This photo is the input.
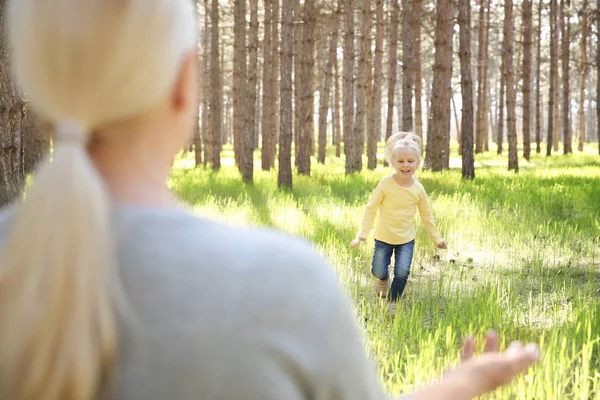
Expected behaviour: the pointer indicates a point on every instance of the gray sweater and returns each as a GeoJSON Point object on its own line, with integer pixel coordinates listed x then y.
{"type": "Point", "coordinates": [229, 313]}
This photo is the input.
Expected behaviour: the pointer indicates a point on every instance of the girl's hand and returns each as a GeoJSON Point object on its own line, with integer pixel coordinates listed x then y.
{"type": "Point", "coordinates": [356, 241]}
{"type": "Point", "coordinates": [442, 245]}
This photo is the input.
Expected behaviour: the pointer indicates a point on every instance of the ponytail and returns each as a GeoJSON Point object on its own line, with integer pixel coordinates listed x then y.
{"type": "Point", "coordinates": [58, 336]}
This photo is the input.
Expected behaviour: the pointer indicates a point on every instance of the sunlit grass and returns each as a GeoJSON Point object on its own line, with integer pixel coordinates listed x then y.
{"type": "Point", "coordinates": [523, 259]}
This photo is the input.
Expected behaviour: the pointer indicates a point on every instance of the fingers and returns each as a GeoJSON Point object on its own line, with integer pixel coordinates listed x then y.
{"type": "Point", "coordinates": [468, 349]}
{"type": "Point", "coordinates": [491, 342]}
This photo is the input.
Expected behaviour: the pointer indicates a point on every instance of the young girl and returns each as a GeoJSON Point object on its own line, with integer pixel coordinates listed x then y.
{"type": "Point", "coordinates": [397, 198]}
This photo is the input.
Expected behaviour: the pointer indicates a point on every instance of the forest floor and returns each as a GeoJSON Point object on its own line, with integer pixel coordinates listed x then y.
{"type": "Point", "coordinates": [523, 259]}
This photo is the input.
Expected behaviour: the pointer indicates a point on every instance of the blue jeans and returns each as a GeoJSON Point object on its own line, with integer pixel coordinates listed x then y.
{"type": "Point", "coordinates": [403, 259]}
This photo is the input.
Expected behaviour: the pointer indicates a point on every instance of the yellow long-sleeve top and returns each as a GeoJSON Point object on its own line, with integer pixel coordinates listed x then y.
{"type": "Point", "coordinates": [393, 208]}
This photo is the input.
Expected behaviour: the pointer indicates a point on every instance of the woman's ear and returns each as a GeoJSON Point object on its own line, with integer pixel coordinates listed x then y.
{"type": "Point", "coordinates": [185, 91]}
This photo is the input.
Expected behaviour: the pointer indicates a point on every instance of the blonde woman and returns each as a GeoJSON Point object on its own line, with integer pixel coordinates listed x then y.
{"type": "Point", "coordinates": [108, 287]}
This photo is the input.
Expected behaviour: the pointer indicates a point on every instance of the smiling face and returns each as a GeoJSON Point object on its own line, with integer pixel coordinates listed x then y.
{"type": "Point", "coordinates": [405, 161]}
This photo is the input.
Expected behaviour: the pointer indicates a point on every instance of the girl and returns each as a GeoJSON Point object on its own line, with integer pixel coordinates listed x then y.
{"type": "Point", "coordinates": [397, 198]}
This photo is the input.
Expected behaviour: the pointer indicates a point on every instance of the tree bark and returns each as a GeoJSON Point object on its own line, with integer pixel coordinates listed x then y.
{"type": "Point", "coordinates": [361, 92]}
{"type": "Point", "coordinates": [416, 29]}
{"type": "Point", "coordinates": [216, 90]}
{"type": "Point", "coordinates": [12, 117]}
{"type": "Point", "coordinates": [267, 156]}
{"type": "Point", "coordinates": [438, 135]}
{"type": "Point", "coordinates": [481, 64]}
{"type": "Point", "coordinates": [325, 95]}
{"type": "Point", "coordinates": [553, 74]}
{"type": "Point", "coordinates": [284, 178]}
{"type": "Point", "coordinates": [486, 91]}
{"type": "Point", "coordinates": [374, 131]}
{"type": "Point", "coordinates": [36, 140]}
{"type": "Point", "coordinates": [297, 78]}
{"type": "Point", "coordinates": [349, 142]}
{"type": "Point", "coordinates": [367, 76]}
{"type": "Point", "coordinates": [500, 133]}
{"type": "Point", "coordinates": [565, 6]}
{"type": "Point", "coordinates": [275, 91]}
{"type": "Point", "coordinates": [511, 95]}
{"type": "Point", "coordinates": [392, 57]}
{"type": "Point", "coordinates": [466, 83]}
{"type": "Point", "coordinates": [407, 65]}
{"type": "Point", "coordinates": [538, 83]}
{"type": "Point", "coordinates": [583, 76]}
{"type": "Point", "coordinates": [306, 88]}
{"type": "Point", "coordinates": [337, 101]}
{"type": "Point", "coordinates": [251, 114]}
{"type": "Point", "coordinates": [527, 41]}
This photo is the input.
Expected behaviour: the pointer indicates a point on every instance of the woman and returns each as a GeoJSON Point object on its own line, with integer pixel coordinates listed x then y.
{"type": "Point", "coordinates": [108, 287]}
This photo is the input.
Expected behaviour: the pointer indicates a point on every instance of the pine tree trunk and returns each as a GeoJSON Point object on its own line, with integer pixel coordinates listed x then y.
{"type": "Point", "coordinates": [392, 57]}
{"type": "Point", "coordinates": [481, 65]}
{"type": "Point", "coordinates": [216, 90]}
{"type": "Point", "coordinates": [361, 92]}
{"type": "Point", "coordinates": [466, 84]}
{"type": "Point", "coordinates": [527, 41]}
{"type": "Point", "coordinates": [12, 165]}
{"type": "Point", "coordinates": [337, 100]}
{"type": "Point", "coordinates": [306, 88]}
{"type": "Point", "coordinates": [297, 78]}
{"type": "Point", "coordinates": [553, 73]}
{"type": "Point", "coordinates": [598, 74]}
{"type": "Point", "coordinates": [349, 142]}
{"type": "Point", "coordinates": [239, 83]}
{"type": "Point", "coordinates": [486, 92]}
{"type": "Point", "coordinates": [416, 29]}
{"type": "Point", "coordinates": [407, 65]}
{"type": "Point", "coordinates": [438, 135]}
{"type": "Point", "coordinates": [583, 76]}
{"type": "Point", "coordinates": [538, 83]}
{"type": "Point", "coordinates": [267, 155]}
{"type": "Point", "coordinates": [511, 95]}
{"type": "Point", "coordinates": [325, 96]}
{"type": "Point", "coordinates": [201, 121]}
{"type": "Point", "coordinates": [374, 130]}
{"type": "Point", "coordinates": [566, 108]}
{"type": "Point", "coordinates": [252, 88]}
{"type": "Point", "coordinates": [367, 76]}
{"type": "Point", "coordinates": [275, 89]}
{"type": "Point", "coordinates": [500, 133]}
{"type": "Point", "coordinates": [36, 140]}
{"type": "Point", "coordinates": [284, 178]}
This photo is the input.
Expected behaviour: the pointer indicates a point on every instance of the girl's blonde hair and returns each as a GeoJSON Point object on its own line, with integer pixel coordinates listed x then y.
{"type": "Point", "coordinates": [83, 64]}
{"type": "Point", "coordinates": [402, 139]}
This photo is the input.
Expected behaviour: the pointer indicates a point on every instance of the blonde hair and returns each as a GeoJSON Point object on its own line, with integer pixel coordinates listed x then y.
{"type": "Point", "coordinates": [83, 64]}
{"type": "Point", "coordinates": [402, 139]}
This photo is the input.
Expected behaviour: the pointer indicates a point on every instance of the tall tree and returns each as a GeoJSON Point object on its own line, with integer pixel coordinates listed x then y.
{"type": "Point", "coordinates": [252, 88]}
{"type": "Point", "coordinates": [583, 72]}
{"type": "Point", "coordinates": [284, 178]}
{"type": "Point", "coordinates": [306, 88]}
{"type": "Point", "coordinates": [565, 6]}
{"type": "Point", "coordinates": [12, 168]}
{"type": "Point", "coordinates": [276, 14]}
{"type": "Point", "coordinates": [362, 84]}
{"type": "Point", "coordinates": [481, 64]}
{"type": "Point", "coordinates": [438, 135]}
{"type": "Point", "coordinates": [553, 75]}
{"type": "Point", "coordinates": [538, 83]}
{"type": "Point", "coordinates": [486, 91]}
{"type": "Point", "coordinates": [337, 125]}
{"type": "Point", "coordinates": [239, 76]}
{"type": "Point", "coordinates": [349, 142]}
{"type": "Point", "coordinates": [297, 77]}
{"type": "Point", "coordinates": [325, 95]}
{"type": "Point", "coordinates": [407, 65]}
{"type": "Point", "coordinates": [501, 106]}
{"type": "Point", "coordinates": [374, 130]}
{"type": "Point", "coordinates": [416, 29]}
{"type": "Point", "coordinates": [527, 41]}
{"type": "Point", "coordinates": [511, 95]}
{"type": "Point", "coordinates": [268, 102]}
{"type": "Point", "coordinates": [392, 57]}
{"type": "Point", "coordinates": [36, 140]}
{"type": "Point", "coordinates": [216, 89]}
{"type": "Point", "coordinates": [367, 74]}
{"type": "Point", "coordinates": [466, 83]}
{"type": "Point", "coordinates": [202, 53]}
{"type": "Point", "coordinates": [598, 73]}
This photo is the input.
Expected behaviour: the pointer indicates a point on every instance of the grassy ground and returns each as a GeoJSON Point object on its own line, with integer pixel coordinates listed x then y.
{"type": "Point", "coordinates": [523, 259]}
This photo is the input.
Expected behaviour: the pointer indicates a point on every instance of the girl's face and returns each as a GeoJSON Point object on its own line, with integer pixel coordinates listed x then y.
{"type": "Point", "coordinates": [405, 161]}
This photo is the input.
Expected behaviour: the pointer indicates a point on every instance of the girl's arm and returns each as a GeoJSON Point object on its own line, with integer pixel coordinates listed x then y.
{"type": "Point", "coordinates": [370, 212]}
{"type": "Point", "coordinates": [427, 218]}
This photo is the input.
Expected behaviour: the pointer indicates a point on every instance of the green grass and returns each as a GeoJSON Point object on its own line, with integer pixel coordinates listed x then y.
{"type": "Point", "coordinates": [523, 258]}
